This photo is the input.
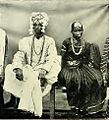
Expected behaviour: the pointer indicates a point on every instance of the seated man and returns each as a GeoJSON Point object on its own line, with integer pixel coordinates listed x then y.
{"type": "Point", "coordinates": [3, 52]}
{"type": "Point", "coordinates": [105, 62]}
{"type": "Point", "coordinates": [105, 69]}
{"type": "Point", "coordinates": [36, 59]}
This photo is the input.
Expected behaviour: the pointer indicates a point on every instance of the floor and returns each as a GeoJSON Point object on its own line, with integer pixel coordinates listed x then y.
{"type": "Point", "coordinates": [62, 109]}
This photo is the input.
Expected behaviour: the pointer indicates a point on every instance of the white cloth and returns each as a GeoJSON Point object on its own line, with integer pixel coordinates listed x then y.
{"type": "Point", "coordinates": [2, 49]}
{"type": "Point", "coordinates": [29, 90]}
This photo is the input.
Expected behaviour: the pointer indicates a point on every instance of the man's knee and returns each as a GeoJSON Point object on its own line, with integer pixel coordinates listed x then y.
{"type": "Point", "coordinates": [1, 89]}
{"type": "Point", "coordinates": [8, 68]}
{"type": "Point", "coordinates": [9, 74]}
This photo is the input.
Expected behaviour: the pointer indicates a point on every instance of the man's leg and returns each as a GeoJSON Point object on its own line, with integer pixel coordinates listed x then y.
{"type": "Point", "coordinates": [11, 85]}
{"type": "Point", "coordinates": [8, 77]}
{"type": "Point", "coordinates": [12, 102]}
{"type": "Point", "coordinates": [37, 98]}
{"type": "Point", "coordinates": [30, 85]}
{"type": "Point", "coordinates": [1, 97]}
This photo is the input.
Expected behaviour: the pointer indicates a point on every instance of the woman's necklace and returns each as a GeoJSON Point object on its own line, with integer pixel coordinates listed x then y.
{"type": "Point", "coordinates": [80, 50]}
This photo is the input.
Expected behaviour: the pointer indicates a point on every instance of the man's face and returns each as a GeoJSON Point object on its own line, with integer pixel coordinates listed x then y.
{"type": "Point", "coordinates": [77, 31]}
{"type": "Point", "coordinates": [37, 27]}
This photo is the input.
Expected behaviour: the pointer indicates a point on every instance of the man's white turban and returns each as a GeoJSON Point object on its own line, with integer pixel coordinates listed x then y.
{"type": "Point", "coordinates": [39, 17]}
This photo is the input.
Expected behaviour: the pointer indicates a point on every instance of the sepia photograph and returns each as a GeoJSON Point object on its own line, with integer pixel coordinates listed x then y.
{"type": "Point", "coordinates": [54, 59]}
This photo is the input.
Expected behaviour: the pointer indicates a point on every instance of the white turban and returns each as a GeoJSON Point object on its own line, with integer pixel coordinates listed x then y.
{"type": "Point", "coordinates": [39, 17]}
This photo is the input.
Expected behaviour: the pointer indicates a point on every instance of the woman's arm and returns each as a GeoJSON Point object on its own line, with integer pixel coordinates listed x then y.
{"type": "Point", "coordinates": [95, 57]}
{"type": "Point", "coordinates": [63, 53]}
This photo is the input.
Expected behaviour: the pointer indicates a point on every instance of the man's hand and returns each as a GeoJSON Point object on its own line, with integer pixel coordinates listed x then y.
{"type": "Point", "coordinates": [42, 73]}
{"type": "Point", "coordinates": [105, 81]}
{"type": "Point", "coordinates": [19, 73]}
{"type": "Point", "coordinates": [1, 78]}
{"type": "Point", "coordinates": [104, 78]}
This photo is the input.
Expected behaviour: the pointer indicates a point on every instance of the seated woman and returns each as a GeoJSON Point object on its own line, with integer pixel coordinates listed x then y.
{"type": "Point", "coordinates": [81, 74]}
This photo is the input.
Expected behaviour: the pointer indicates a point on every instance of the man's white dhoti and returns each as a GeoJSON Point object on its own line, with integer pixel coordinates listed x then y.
{"type": "Point", "coordinates": [29, 90]}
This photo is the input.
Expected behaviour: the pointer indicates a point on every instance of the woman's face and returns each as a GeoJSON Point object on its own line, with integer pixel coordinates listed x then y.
{"type": "Point", "coordinates": [77, 31]}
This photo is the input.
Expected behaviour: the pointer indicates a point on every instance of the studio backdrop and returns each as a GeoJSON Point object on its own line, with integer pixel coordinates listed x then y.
{"type": "Point", "coordinates": [93, 14]}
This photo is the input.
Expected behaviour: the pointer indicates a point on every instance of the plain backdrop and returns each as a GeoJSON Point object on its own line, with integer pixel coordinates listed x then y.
{"type": "Point", "coordinates": [93, 14]}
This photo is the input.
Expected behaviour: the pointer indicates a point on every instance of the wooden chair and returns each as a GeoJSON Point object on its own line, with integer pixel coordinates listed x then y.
{"type": "Point", "coordinates": [52, 102]}
{"type": "Point", "coordinates": [52, 96]}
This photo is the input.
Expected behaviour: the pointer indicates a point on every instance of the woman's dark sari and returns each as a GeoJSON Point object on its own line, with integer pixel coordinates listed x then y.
{"type": "Point", "coordinates": [82, 77]}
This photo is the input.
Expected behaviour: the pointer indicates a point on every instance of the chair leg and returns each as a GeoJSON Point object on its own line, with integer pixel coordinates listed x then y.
{"type": "Point", "coordinates": [52, 102]}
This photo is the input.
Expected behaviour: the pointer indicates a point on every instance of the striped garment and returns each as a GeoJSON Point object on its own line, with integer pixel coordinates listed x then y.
{"type": "Point", "coordinates": [104, 57]}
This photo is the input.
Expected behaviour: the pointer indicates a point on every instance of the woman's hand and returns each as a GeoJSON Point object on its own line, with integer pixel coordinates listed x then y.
{"type": "Point", "coordinates": [73, 63]}
{"type": "Point", "coordinates": [90, 64]}
{"type": "Point", "coordinates": [105, 83]}
{"type": "Point", "coordinates": [19, 73]}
